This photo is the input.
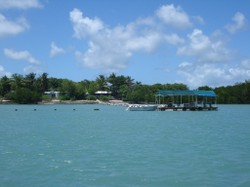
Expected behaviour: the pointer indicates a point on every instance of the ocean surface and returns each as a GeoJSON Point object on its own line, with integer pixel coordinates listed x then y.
{"type": "Point", "coordinates": [75, 145]}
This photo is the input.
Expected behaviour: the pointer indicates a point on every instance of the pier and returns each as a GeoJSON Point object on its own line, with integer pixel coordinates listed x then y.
{"type": "Point", "coordinates": [186, 100]}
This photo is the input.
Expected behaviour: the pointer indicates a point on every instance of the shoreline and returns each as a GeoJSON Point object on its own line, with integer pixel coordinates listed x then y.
{"type": "Point", "coordinates": [55, 101]}
{"type": "Point", "coordinates": [69, 102]}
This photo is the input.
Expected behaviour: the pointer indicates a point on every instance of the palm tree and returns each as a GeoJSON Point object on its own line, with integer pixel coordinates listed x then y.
{"type": "Point", "coordinates": [5, 85]}
{"type": "Point", "coordinates": [130, 82]}
{"type": "Point", "coordinates": [30, 80]}
{"type": "Point", "coordinates": [102, 82]}
{"type": "Point", "coordinates": [43, 82]}
{"type": "Point", "coordinates": [17, 81]}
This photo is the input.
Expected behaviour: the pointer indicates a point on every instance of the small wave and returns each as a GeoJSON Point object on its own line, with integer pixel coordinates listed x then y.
{"type": "Point", "coordinates": [78, 170]}
{"type": "Point", "coordinates": [54, 167]}
{"type": "Point", "coordinates": [67, 161]}
{"type": "Point", "coordinates": [7, 152]}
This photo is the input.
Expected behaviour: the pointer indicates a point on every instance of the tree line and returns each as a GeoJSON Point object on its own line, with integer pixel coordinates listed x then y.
{"type": "Point", "coordinates": [31, 89]}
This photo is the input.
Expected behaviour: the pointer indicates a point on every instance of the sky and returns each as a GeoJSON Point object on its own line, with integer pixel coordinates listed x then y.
{"type": "Point", "coordinates": [193, 42]}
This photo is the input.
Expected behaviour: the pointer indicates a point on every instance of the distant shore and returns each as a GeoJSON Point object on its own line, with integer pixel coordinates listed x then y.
{"type": "Point", "coordinates": [55, 101]}
{"type": "Point", "coordinates": [70, 102]}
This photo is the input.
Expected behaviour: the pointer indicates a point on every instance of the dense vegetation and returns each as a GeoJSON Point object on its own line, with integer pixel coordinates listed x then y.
{"type": "Point", "coordinates": [31, 88]}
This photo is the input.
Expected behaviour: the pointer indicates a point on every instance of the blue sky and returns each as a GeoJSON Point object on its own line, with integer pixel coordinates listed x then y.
{"type": "Point", "coordinates": [154, 41]}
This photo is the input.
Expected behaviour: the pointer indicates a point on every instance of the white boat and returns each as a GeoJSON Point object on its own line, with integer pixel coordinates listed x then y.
{"type": "Point", "coordinates": [137, 107]}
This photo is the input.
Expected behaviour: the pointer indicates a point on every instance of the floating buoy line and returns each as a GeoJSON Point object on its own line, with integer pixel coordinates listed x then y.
{"type": "Point", "coordinates": [55, 109]}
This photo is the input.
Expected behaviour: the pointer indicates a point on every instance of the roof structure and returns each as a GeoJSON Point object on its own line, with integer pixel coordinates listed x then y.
{"type": "Point", "coordinates": [102, 92]}
{"type": "Point", "coordinates": [202, 93]}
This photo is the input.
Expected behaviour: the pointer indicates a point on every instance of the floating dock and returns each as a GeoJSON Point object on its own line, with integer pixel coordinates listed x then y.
{"type": "Point", "coordinates": [186, 100]}
{"type": "Point", "coordinates": [194, 108]}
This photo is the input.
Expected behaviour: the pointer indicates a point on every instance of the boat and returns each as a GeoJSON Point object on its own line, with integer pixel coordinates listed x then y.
{"type": "Point", "coordinates": [138, 107]}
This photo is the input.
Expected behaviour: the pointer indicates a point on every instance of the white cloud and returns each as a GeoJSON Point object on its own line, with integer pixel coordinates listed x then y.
{"type": "Point", "coordinates": [12, 27]}
{"type": "Point", "coordinates": [32, 69]}
{"type": "Point", "coordinates": [3, 72]}
{"type": "Point", "coordinates": [34, 64]}
{"type": "Point", "coordinates": [146, 42]}
{"type": "Point", "coordinates": [110, 48]}
{"type": "Point", "coordinates": [19, 4]}
{"type": "Point", "coordinates": [205, 49]}
{"type": "Point", "coordinates": [197, 43]}
{"type": "Point", "coordinates": [245, 64]}
{"type": "Point", "coordinates": [21, 55]}
{"type": "Point", "coordinates": [241, 71]}
{"type": "Point", "coordinates": [174, 16]}
{"type": "Point", "coordinates": [83, 25]}
{"type": "Point", "coordinates": [200, 75]}
{"type": "Point", "coordinates": [199, 19]}
{"type": "Point", "coordinates": [211, 62]}
{"type": "Point", "coordinates": [55, 50]}
{"type": "Point", "coordinates": [174, 39]}
{"type": "Point", "coordinates": [239, 22]}
{"type": "Point", "coordinates": [213, 74]}
{"type": "Point", "coordinates": [107, 59]}
{"type": "Point", "coordinates": [8, 27]}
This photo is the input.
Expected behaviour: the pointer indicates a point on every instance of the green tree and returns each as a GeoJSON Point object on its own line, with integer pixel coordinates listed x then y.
{"type": "Point", "coordinates": [17, 81]}
{"type": "Point", "coordinates": [102, 82]}
{"type": "Point", "coordinates": [54, 83]}
{"type": "Point", "coordinates": [80, 91]}
{"type": "Point", "coordinates": [5, 85]}
{"type": "Point", "coordinates": [90, 87]}
{"type": "Point", "coordinates": [120, 86]}
{"type": "Point", "coordinates": [205, 88]}
{"type": "Point", "coordinates": [68, 90]}
{"type": "Point", "coordinates": [137, 95]}
{"type": "Point", "coordinates": [43, 82]}
{"type": "Point", "coordinates": [30, 81]}
{"type": "Point", "coordinates": [25, 96]}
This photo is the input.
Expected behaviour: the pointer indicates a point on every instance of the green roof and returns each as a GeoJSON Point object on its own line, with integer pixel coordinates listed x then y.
{"type": "Point", "coordinates": [202, 93]}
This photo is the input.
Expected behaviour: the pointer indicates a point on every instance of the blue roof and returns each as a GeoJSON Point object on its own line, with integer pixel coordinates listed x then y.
{"type": "Point", "coordinates": [202, 93]}
{"type": "Point", "coordinates": [205, 93]}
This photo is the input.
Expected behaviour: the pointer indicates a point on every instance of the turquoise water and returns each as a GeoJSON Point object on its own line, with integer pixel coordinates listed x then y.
{"type": "Point", "coordinates": [74, 145]}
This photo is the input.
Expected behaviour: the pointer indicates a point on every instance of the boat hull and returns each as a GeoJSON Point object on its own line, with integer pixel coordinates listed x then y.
{"type": "Point", "coordinates": [142, 108]}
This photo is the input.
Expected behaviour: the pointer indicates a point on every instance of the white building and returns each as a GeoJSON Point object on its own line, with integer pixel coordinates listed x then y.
{"type": "Point", "coordinates": [53, 94]}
